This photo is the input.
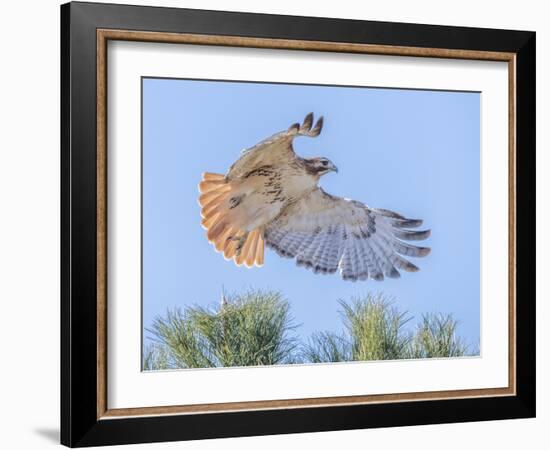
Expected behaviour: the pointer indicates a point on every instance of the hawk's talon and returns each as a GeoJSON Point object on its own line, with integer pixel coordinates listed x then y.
{"type": "Point", "coordinates": [241, 240]}
{"type": "Point", "coordinates": [240, 245]}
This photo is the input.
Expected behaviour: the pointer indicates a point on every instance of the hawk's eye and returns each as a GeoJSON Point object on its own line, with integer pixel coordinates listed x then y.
{"type": "Point", "coordinates": [324, 163]}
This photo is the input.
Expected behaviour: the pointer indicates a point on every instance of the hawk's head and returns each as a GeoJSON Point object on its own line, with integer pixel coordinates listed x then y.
{"type": "Point", "coordinates": [319, 166]}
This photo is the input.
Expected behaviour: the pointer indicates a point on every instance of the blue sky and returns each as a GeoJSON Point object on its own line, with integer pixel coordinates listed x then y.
{"type": "Point", "coordinates": [415, 152]}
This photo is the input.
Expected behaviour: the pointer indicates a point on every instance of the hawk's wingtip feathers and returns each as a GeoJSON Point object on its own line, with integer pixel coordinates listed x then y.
{"type": "Point", "coordinates": [316, 131]}
{"type": "Point", "coordinates": [308, 122]}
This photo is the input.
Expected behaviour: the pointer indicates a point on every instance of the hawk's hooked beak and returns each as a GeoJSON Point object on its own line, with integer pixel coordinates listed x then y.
{"type": "Point", "coordinates": [332, 167]}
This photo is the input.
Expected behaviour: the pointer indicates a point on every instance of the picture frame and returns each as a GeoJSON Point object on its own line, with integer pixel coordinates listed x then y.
{"type": "Point", "coordinates": [86, 30]}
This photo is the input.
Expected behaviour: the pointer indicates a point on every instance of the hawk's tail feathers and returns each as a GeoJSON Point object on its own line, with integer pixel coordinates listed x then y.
{"type": "Point", "coordinates": [221, 232]}
{"type": "Point", "coordinates": [252, 251]}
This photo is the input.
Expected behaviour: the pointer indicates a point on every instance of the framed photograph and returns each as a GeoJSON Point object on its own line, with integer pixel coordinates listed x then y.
{"type": "Point", "coordinates": [277, 224]}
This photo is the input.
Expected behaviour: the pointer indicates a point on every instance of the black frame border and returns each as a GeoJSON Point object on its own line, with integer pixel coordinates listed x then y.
{"type": "Point", "coordinates": [79, 423]}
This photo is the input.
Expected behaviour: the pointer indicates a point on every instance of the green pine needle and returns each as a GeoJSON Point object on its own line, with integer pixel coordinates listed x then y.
{"type": "Point", "coordinates": [250, 329]}
{"type": "Point", "coordinates": [255, 328]}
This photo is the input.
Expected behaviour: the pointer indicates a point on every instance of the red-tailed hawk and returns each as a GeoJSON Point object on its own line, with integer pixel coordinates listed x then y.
{"type": "Point", "coordinates": [271, 195]}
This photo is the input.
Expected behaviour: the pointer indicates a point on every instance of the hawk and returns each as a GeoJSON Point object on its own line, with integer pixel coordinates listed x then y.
{"type": "Point", "coordinates": [271, 196]}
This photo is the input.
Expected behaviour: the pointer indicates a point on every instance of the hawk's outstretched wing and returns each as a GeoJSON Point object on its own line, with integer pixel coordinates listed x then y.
{"type": "Point", "coordinates": [327, 233]}
{"type": "Point", "coordinates": [275, 150]}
